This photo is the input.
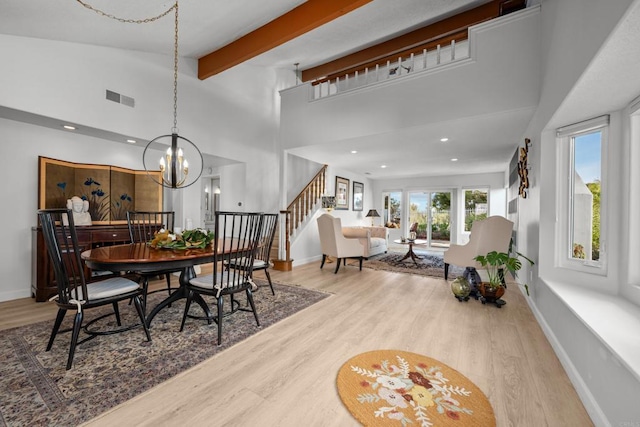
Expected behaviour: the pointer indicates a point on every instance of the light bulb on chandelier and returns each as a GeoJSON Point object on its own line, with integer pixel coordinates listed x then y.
{"type": "Point", "coordinates": [174, 164]}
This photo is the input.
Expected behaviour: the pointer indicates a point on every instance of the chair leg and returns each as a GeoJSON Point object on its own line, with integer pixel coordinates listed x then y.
{"type": "Point", "coordinates": [168, 276]}
{"type": "Point", "coordinates": [324, 258]}
{"type": "Point", "coordinates": [138, 302]}
{"type": "Point", "coordinates": [253, 306]}
{"type": "Point", "coordinates": [56, 326]}
{"type": "Point", "coordinates": [145, 288]}
{"type": "Point", "coordinates": [361, 263]}
{"type": "Point", "coordinates": [446, 271]}
{"type": "Point", "coordinates": [77, 322]}
{"type": "Point", "coordinates": [116, 311]}
{"type": "Point", "coordinates": [186, 309]}
{"type": "Point", "coordinates": [266, 272]}
{"type": "Point", "coordinates": [337, 265]}
{"type": "Point", "coordinates": [220, 307]}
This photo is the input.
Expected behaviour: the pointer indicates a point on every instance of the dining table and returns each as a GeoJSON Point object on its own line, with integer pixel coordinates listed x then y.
{"type": "Point", "coordinates": [143, 258]}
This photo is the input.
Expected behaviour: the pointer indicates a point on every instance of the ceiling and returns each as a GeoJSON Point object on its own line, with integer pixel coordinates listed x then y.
{"type": "Point", "coordinates": [206, 26]}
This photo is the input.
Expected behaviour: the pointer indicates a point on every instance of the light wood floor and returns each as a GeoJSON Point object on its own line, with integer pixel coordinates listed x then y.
{"type": "Point", "coordinates": [285, 375]}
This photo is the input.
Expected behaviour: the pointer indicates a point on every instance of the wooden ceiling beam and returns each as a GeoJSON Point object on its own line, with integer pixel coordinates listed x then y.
{"type": "Point", "coordinates": [304, 18]}
{"type": "Point", "coordinates": [391, 49]}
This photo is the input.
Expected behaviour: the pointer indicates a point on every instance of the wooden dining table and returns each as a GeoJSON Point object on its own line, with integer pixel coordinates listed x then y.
{"type": "Point", "coordinates": [142, 258]}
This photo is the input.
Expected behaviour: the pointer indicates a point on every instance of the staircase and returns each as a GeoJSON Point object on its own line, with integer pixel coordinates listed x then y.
{"type": "Point", "coordinates": [295, 214]}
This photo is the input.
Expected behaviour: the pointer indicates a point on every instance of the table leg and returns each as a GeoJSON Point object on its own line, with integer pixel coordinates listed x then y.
{"type": "Point", "coordinates": [410, 254]}
{"type": "Point", "coordinates": [187, 274]}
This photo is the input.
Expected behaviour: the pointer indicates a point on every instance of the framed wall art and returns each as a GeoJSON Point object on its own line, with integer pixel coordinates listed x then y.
{"type": "Point", "coordinates": [342, 193]}
{"type": "Point", "coordinates": [358, 196]}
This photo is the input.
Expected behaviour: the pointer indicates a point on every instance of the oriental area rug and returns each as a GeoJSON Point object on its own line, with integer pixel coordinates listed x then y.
{"type": "Point", "coordinates": [36, 390]}
{"type": "Point", "coordinates": [398, 388]}
{"type": "Point", "coordinates": [431, 265]}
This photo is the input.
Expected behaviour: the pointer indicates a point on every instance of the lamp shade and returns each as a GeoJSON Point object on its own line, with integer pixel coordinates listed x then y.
{"type": "Point", "coordinates": [373, 213]}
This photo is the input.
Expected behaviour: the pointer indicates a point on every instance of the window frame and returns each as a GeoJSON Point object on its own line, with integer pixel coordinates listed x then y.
{"type": "Point", "coordinates": [633, 269]}
{"type": "Point", "coordinates": [564, 214]}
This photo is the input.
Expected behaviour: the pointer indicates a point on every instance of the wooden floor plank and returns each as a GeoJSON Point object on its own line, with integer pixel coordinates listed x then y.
{"type": "Point", "coordinates": [285, 374]}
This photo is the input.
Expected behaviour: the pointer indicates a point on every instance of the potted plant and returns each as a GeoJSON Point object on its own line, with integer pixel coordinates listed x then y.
{"type": "Point", "coordinates": [495, 264]}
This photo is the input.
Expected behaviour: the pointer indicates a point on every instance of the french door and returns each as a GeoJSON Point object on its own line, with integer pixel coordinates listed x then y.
{"type": "Point", "coordinates": [430, 213]}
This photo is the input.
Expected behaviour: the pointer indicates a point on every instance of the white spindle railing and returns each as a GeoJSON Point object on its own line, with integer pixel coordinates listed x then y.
{"type": "Point", "coordinates": [426, 60]}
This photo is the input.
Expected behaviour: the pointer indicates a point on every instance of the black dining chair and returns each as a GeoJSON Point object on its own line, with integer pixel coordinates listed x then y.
{"type": "Point", "coordinates": [237, 235]}
{"type": "Point", "coordinates": [142, 228]}
{"type": "Point", "coordinates": [263, 253]}
{"type": "Point", "coordinates": [74, 290]}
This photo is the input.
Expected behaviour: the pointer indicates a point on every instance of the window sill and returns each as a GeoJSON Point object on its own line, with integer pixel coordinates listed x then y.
{"type": "Point", "coordinates": [603, 314]}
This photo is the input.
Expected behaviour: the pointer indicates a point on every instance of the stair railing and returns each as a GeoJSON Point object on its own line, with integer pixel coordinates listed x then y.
{"type": "Point", "coordinates": [295, 214]}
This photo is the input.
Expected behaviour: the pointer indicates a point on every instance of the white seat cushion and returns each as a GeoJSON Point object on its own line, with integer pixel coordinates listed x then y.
{"type": "Point", "coordinates": [222, 281]}
{"type": "Point", "coordinates": [257, 263]}
{"type": "Point", "coordinates": [110, 287]}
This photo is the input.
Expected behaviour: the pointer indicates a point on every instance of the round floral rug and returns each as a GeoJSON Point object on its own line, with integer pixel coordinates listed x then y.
{"type": "Point", "coordinates": [398, 388]}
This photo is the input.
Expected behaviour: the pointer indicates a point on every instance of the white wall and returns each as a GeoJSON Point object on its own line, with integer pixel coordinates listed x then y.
{"type": "Point", "coordinates": [573, 32]}
{"type": "Point", "coordinates": [234, 115]}
{"type": "Point", "coordinates": [305, 244]}
{"type": "Point", "coordinates": [299, 172]}
{"type": "Point", "coordinates": [24, 143]}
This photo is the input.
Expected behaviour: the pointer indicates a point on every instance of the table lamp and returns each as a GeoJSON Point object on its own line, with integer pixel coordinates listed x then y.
{"type": "Point", "coordinates": [373, 214]}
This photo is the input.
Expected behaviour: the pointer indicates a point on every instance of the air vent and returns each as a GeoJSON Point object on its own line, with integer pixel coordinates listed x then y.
{"type": "Point", "coordinates": [127, 100]}
{"type": "Point", "coordinates": [120, 99]}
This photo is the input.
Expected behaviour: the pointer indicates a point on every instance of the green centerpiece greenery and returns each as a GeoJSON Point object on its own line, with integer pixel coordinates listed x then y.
{"type": "Point", "coordinates": [197, 238]}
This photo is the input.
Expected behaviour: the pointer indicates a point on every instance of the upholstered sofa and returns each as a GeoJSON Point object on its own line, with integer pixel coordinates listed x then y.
{"type": "Point", "coordinates": [374, 239]}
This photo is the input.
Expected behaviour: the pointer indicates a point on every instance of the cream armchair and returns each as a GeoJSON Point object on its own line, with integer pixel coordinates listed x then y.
{"type": "Point", "coordinates": [490, 234]}
{"type": "Point", "coordinates": [334, 244]}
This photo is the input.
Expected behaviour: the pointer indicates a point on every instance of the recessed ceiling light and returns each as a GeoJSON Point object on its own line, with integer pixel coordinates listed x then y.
{"type": "Point", "coordinates": [131, 141]}
{"type": "Point", "coordinates": [454, 160]}
{"type": "Point", "coordinates": [354, 151]}
{"type": "Point", "coordinates": [383, 166]}
{"type": "Point", "coordinates": [444, 139]}
{"type": "Point", "coordinates": [69, 127]}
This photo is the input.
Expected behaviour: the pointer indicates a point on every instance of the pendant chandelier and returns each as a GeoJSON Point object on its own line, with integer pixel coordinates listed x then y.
{"type": "Point", "coordinates": [181, 164]}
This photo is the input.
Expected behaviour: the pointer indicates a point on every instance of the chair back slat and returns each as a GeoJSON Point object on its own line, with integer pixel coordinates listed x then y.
{"type": "Point", "coordinates": [237, 235]}
{"type": "Point", "coordinates": [144, 225]}
{"type": "Point", "coordinates": [269, 226]}
{"type": "Point", "coordinates": [62, 245]}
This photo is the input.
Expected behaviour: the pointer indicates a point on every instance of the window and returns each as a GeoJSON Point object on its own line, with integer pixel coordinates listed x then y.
{"type": "Point", "coordinates": [475, 206]}
{"type": "Point", "coordinates": [582, 147]}
{"type": "Point", "coordinates": [392, 208]}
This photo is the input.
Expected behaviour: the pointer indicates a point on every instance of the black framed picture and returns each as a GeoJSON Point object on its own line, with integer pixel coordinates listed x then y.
{"type": "Point", "coordinates": [358, 196]}
{"type": "Point", "coordinates": [342, 193]}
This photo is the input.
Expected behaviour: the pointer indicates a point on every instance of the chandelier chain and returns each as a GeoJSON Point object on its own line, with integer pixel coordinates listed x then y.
{"type": "Point", "coordinates": [175, 74]}
{"type": "Point", "coordinates": [128, 21]}
{"type": "Point", "coordinates": [174, 7]}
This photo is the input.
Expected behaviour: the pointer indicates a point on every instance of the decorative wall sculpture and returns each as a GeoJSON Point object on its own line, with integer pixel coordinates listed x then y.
{"type": "Point", "coordinates": [523, 169]}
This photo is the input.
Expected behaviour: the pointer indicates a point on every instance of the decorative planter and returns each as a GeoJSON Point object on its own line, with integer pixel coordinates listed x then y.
{"type": "Point", "coordinates": [491, 295]}
{"type": "Point", "coordinates": [461, 289]}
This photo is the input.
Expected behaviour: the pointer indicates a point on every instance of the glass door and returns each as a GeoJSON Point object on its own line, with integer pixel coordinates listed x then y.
{"type": "Point", "coordinates": [392, 213]}
{"type": "Point", "coordinates": [430, 217]}
{"type": "Point", "coordinates": [440, 219]}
